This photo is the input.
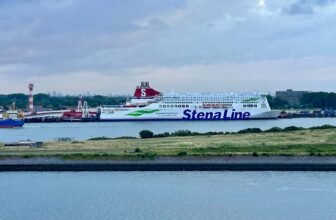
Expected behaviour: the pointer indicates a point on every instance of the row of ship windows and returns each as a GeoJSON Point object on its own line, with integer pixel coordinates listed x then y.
{"type": "Point", "coordinates": [213, 96]}
{"type": "Point", "coordinates": [187, 106]}
{"type": "Point", "coordinates": [174, 106]}
{"type": "Point", "coordinates": [250, 106]}
{"type": "Point", "coordinates": [202, 98]}
{"type": "Point", "coordinates": [204, 102]}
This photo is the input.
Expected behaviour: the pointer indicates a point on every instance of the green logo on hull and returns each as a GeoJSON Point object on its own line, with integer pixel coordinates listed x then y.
{"type": "Point", "coordinates": [251, 100]}
{"type": "Point", "coordinates": [142, 112]}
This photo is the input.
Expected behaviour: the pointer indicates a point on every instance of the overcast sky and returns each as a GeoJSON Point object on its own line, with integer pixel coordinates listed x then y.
{"type": "Point", "coordinates": [109, 46]}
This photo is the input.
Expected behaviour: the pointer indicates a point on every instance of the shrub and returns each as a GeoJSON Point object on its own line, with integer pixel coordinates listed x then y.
{"type": "Point", "coordinates": [274, 129]}
{"type": "Point", "coordinates": [250, 130]}
{"type": "Point", "coordinates": [137, 150]}
{"type": "Point", "coordinates": [99, 138]}
{"type": "Point", "coordinates": [183, 153]}
{"type": "Point", "coordinates": [293, 128]}
{"type": "Point", "coordinates": [166, 134]}
{"type": "Point", "coordinates": [77, 142]}
{"type": "Point", "coordinates": [323, 127]}
{"type": "Point", "coordinates": [182, 133]}
{"type": "Point", "coordinates": [214, 133]}
{"type": "Point", "coordinates": [146, 134]}
{"type": "Point", "coordinates": [148, 155]}
{"type": "Point", "coordinates": [125, 137]}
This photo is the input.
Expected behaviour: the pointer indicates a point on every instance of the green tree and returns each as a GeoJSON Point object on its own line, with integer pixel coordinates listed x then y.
{"type": "Point", "coordinates": [146, 134]}
{"type": "Point", "coordinates": [277, 103]}
{"type": "Point", "coordinates": [319, 100]}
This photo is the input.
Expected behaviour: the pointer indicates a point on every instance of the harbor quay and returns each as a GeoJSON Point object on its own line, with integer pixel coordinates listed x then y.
{"type": "Point", "coordinates": [224, 163]}
{"type": "Point", "coordinates": [149, 104]}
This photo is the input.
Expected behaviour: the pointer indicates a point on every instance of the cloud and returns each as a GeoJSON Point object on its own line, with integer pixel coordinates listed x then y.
{"type": "Point", "coordinates": [128, 41]}
{"type": "Point", "coordinates": [305, 7]}
{"type": "Point", "coordinates": [266, 76]}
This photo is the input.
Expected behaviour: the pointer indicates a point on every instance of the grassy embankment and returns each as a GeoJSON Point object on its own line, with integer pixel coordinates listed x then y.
{"type": "Point", "coordinates": [318, 142]}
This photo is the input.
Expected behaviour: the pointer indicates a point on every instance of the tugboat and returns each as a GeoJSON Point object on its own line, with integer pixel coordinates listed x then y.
{"type": "Point", "coordinates": [11, 119]}
{"type": "Point", "coordinates": [81, 114]}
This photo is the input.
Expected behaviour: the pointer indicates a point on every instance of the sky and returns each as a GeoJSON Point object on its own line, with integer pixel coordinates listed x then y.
{"type": "Point", "coordinates": [109, 46]}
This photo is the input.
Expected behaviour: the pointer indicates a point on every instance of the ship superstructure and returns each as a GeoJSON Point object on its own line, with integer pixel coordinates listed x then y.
{"type": "Point", "coordinates": [149, 104]}
{"type": "Point", "coordinates": [11, 119]}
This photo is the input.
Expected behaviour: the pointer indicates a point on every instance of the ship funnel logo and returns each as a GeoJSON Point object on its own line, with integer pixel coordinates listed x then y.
{"type": "Point", "coordinates": [143, 92]}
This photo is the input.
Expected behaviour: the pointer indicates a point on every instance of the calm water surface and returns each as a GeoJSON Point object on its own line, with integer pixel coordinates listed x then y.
{"type": "Point", "coordinates": [82, 131]}
{"type": "Point", "coordinates": [168, 195]}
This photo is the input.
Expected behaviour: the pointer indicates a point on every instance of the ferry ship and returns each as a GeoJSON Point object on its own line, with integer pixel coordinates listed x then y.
{"type": "Point", "coordinates": [149, 104]}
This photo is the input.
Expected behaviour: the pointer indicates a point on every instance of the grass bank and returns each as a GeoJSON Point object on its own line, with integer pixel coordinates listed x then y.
{"type": "Point", "coordinates": [313, 142]}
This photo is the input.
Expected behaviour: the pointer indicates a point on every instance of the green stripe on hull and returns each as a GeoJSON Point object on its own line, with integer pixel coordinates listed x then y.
{"type": "Point", "coordinates": [142, 112]}
{"type": "Point", "coordinates": [251, 100]}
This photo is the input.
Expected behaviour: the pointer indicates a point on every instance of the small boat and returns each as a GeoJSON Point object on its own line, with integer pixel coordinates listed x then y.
{"type": "Point", "coordinates": [27, 143]}
{"type": "Point", "coordinates": [82, 113]}
{"type": "Point", "coordinates": [11, 119]}
{"type": "Point", "coordinates": [11, 123]}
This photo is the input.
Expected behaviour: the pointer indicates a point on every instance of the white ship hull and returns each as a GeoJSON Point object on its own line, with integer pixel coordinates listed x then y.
{"type": "Point", "coordinates": [152, 114]}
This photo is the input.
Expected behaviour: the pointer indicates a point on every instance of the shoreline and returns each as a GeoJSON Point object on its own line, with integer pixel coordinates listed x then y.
{"type": "Point", "coordinates": [226, 163]}
{"type": "Point", "coordinates": [289, 149]}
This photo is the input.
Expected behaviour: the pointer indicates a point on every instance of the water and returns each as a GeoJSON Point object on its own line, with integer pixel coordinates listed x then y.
{"type": "Point", "coordinates": [168, 195]}
{"type": "Point", "coordinates": [83, 131]}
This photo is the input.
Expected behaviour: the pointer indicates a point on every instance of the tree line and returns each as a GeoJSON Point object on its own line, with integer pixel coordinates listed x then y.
{"type": "Point", "coordinates": [57, 103]}
{"type": "Point", "coordinates": [308, 100]}
{"type": "Point", "coordinates": [186, 133]}
{"type": "Point", "coordinates": [319, 100]}
{"type": "Point", "coordinates": [324, 100]}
